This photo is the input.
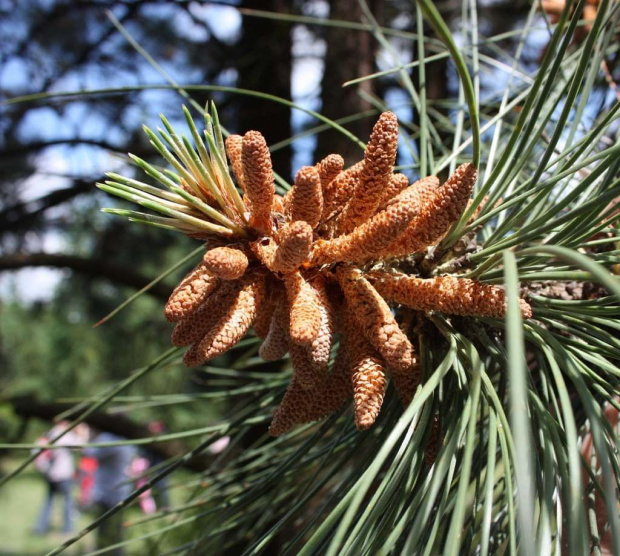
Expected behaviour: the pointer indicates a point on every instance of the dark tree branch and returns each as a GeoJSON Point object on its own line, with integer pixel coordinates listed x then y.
{"type": "Point", "coordinates": [92, 267]}
{"type": "Point", "coordinates": [207, 27]}
{"type": "Point", "coordinates": [28, 407]}
{"type": "Point", "coordinates": [83, 56]}
{"type": "Point", "coordinates": [23, 215]}
{"type": "Point", "coordinates": [19, 150]}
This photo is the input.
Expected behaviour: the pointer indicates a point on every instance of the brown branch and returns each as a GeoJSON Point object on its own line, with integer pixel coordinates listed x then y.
{"type": "Point", "coordinates": [89, 266]}
{"type": "Point", "coordinates": [23, 214]}
{"type": "Point", "coordinates": [26, 148]}
{"type": "Point", "coordinates": [120, 425]}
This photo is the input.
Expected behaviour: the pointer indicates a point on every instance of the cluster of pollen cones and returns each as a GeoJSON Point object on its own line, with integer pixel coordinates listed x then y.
{"type": "Point", "coordinates": [318, 268]}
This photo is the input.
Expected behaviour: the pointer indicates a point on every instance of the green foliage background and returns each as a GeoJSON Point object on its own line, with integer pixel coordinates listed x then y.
{"type": "Point", "coordinates": [514, 398]}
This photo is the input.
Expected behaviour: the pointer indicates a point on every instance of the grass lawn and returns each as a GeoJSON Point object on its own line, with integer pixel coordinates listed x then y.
{"type": "Point", "coordinates": [21, 500]}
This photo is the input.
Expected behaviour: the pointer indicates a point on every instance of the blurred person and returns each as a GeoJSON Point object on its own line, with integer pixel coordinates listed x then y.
{"type": "Point", "coordinates": [112, 485]}
{"type": "Point", "coordinates": [139, 467]}
{"type": "Point", "coordinates": [86, 468]}
{"type": "Point", "coordinates": [160, 490]}
{"type": "Point", "coordinates": [57, 467]}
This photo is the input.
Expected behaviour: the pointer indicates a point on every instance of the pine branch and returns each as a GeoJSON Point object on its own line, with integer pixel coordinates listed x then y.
{"type": "Point", "coordinates": [93, 267]}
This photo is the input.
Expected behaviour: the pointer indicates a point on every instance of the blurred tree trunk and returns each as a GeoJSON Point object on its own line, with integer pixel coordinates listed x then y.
{"type": "Point", "coordinates": [436, 87]}
{"type": "Point", "coordinates": [349, 54]}
{"type": "Point", "coordinates": [264, 63]}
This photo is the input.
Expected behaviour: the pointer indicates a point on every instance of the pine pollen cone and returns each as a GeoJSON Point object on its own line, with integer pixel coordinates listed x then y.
{"type": "Point", "coordinates": [327, 264]}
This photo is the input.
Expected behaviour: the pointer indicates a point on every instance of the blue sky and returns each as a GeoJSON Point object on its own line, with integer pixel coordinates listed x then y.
{"type": "Point", "coordinates": [76, 120]}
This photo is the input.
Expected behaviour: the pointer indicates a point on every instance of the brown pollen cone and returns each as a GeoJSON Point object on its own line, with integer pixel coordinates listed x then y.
{"type": "Point", "coordinates": [301, 406]}
{"type": "Point", "coordinates": [432, 446]}
{"type": "Point", "coordinates": [398, 183]}
{"type": "Point", "coordinates": [406, 382]}
{"type": "Point", "coordinates": [305, 373]}
{"type": "Point", "coordinates": [368, 240]}
{"type": "Point", "coordinates": [288, 250]}
{"type": "Point", "coordinates": [375, 317]}
{"type": "Point", "coordinates": [419, 193]}
{"type": "Point", "coordinates": [320, 348]}
{"type": "Point", "coordinates": [436, 215]}
{"type": "Point", "coordinates": [589, 15]}
{"type": "Point", "coordinates": [263, 318]}
{"type": "Point", "coordinates": [234, 146]}
{"type": "Point", "coordinates": [295, 241]}
{"type": "Point", "coordinates": [338, 191]}
{"type": "Point", "coordinates": [278, 204]}
{"type": "Point", "coordinates": [553, 8]}
{"type": "Point", "coordinates": [193, 328]}
{"type": "Point", "coordinates": [379, 159]}
{"type": "Point", "coordinates": [294, 409]}
{"type": "Point", "coordinates": [226, 263]}
{"type": "Point", "coordinates": [447, 294]}
{"type": "Point", "coordinates": [258, 178]}
{"type": "Point", "coordinates": [276, 343]}
{"type": "Point", "coordinates": [306, 197]}
{"type": "Point", "coordinates": [229, 329]}
{"type": "Point", "coordinates": [190, 293]}
{"type": "Point", "coordinates": [369, 382]}
{"type": "Point", "coordinates": [329, 168]}
{"type": "Point", "coordinates": [338, 388]}
{"type": "Point", "coordinates": [305, 316]}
